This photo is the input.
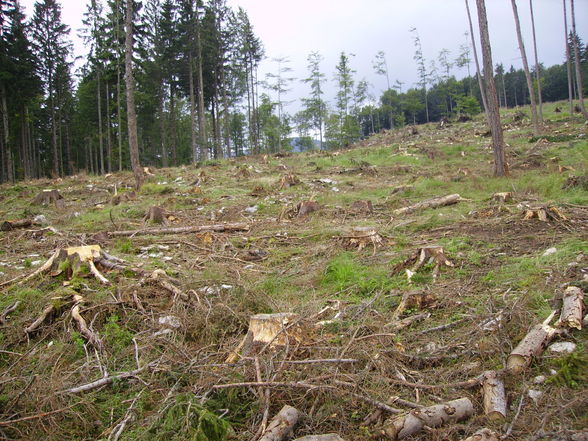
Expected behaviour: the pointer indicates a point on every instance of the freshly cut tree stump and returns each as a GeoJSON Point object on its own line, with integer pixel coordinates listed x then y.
{"type": "Point", "coordinates": [494, 396]}
{"type": "Point", "coordinates": [48, 196]}
{"type": "Point", "coordinates": [502, 197]}
{"type": "Point", "coordinates": [483, 435]}
{"type": "Point", "coordinates": [434, 416]}
{"type": "Point", "coordinates": [572, 309]}
{"type": "Point", "coordinates": [289, 180]}
{"type": "Point", "coordinates": [360, 237]}
{"type": "Point", "coordinates": [282, 425]}
{"type": "Point", "coordinates": [430, 203]}
{"type": "Point", "coordinates": [274, 329]}
{"type": "Point", "coordinates": [531, 346]}
{"type": "Point", "coordinates": [326, 437]}
{"type": "Point", "coordinates": [544, 214]}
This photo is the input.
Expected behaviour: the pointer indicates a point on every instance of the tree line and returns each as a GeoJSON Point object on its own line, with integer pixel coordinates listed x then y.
{"type": "Point", "coordinates": [198, 92]}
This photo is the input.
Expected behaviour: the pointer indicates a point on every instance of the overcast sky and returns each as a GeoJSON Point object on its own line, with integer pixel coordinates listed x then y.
{"type": "Point", "coordinates": [294, 28]}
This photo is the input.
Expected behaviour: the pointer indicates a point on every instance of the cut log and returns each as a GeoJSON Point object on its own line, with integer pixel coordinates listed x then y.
{"type": "Point", "coordinates": [327, 437]}
{"type": "Point", "coordinates": [430, 203]}
{"type": "Point", "coordinates": [219, 228]}
{"type": "Point", "coordinates": [282, 425]}
{"type": "Point", "coordinates": [434, 416]}
{"type": "Point", "coordinates": [13, 225]}
{"type": "Point", "coordinates": [494, 396]}
{"type": "Point", "coordinates": [483, 435]}
{"type": "Point", "coordinates": [531, 346]}
{"type": "Point", "coordinates": [572, 309]}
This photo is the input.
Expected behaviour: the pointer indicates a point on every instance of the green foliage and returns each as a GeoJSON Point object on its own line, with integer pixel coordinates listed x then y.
{"type": "Point", "coordinates": [467, 105]}
{"type": "Point", "coordinates": [571, 370]}
{"type": "Point", "coordinates": [157, 189]}
{"type": "Point", "coordinates": [115, 336]}
{"type": "Point", "coordinates": [186, 420]}
{"type": "Point", "coordinates": [124, 245]}
{"type": "Point", "coordinates": [24, 295]}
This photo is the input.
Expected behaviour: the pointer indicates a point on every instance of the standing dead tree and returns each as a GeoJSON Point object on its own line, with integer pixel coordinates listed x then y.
{"type": "Point", "coordinates": [537, 67]}
{"type": "Point", "coordinates": [526, 68]}
{"type": "Point", "coordinates": [568, 61]}
{"type": "Point", "coordinates": [579, 83]}
{"type": "Point", "coordinates": [500, 165]}
{"type": "Point", "coordinates": [479, 74]}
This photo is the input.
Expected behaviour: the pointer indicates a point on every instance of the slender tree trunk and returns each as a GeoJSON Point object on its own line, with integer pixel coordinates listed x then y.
{"type": "Point", "coordinates": [53, 132]}
{"type": "Point", "coordinates": [173, 125]}
{"type": "Point", "coordinates": [579, 82]}
{"type": "Point", "coordinates": [500, 165]}
{"type": "Point", "coordinates": [193, 121]}
{"type": "Point", "coordinates": [526, 68]}
{"type": "Point", "coordinates": [164, 161]}
{"type": "Point", "coordinates": [201, 110]}
{"type": "Point", "coordinates": [537, 67]}
{"type": "Point", "coordinates": [6, 139]}
{"type": "Point", "coordinates": [504, 92]}
{"type": "Point", "coordinates": [100, 137]}
{"type": "Point", "coordinates": [568, 61]}
{"type": "Point", "coordinates": [131, 113]}
{"type": "Point", "coordinates": [108, 134]}
{"type": "Point", "coordinates": [475, 50]}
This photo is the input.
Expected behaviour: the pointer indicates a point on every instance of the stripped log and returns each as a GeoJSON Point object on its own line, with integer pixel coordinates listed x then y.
{"type": "Point", "coordinates": [218, 228]}
{"type": "Point", "coordinates": [494, 396]}
{"type": "Point", "coordinates": [282, 425]}
{"type": "Point", "coordinates": [14, 224]}
{"type": "Point", "coordinates": [104, 381]}
{"type": "Point", "coordinates": [326, 437]}
{"type": "Point", "coordinates": [430, 203]}
{"type": "Point", "coordinates": [571, 311]}
{"type": "Point", "coordinates": [483, 435]}
{"type": "Point", "coordinates": [434, 416]}
{"type": "Point", "coordinates": [532, 345]}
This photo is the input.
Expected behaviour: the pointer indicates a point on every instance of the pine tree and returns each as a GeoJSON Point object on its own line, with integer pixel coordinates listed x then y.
{"type": "Point", "coordinates": [421, 68]}
{"type": "Point", "coordinates": [315, 106]}
{"type": "Point", "coordinates": [348, 129]}
{"type": "Point", "coordinates": [52, 49]}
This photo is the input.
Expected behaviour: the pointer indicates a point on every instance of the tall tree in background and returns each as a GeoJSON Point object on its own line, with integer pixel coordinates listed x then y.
{"type": "Point", "coordinates": [568, 61]}
{"type": "Point", "coordinates": [131, 111]}
{"type": "Point", "coordinates": [52, 49]}
{"type": "Point", "coordinates": [279, 83]}
{"type": "Point", "coordinates": [381, 68]}
{"type": "Point", "coordinates": [478, 72]}
{"type": "Point", "coordinates": [526, 68]}
{"type": "Point", "coordinates": [537, 65]}
{"type": "Point", "coordinates": [347, 129]}
{"type": "Point", "coordinates": [500, 165]}
{"type": "Point", "coordinates": [579, 82]}
{"type": "Point", "coordinates": [315, 107]}
{"type": "Point", "coordinates": [421, 68]}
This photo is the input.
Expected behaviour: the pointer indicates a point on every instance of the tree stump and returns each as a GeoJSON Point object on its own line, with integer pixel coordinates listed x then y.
{"type": "Point", "coordinates": [362, 207]}
{"type": "Point", "coordinates": [360, 237]}
{"type": "Point", "coordinates": [305, 207]}
{"type": "Point", "coordinates": [483, 435]}
{"type": "Point", "coordinates": [156, 215]}
{"type": "Point", "coordinates": [289, 180]}
{"type": "Point", "coordinates": [48, 196]}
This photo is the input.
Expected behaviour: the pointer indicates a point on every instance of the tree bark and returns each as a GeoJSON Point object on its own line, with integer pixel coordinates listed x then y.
{"type": "Point", "coordinates": [479, 74]}
{"type": "Point", "coordinates": [494, 396]}
{"type": "Point", "coordinates": [430, 203]}
{"type": "Point", "coordinates": [568, 61]}
{"type": "Point", "coordinates": [108, 134]}
{"type": "Point", "coordinates": [531, 346]}
{"type": "Point", "coordinates": [281, 425]}
{"type": "Point", "coordinates": [131, 112]}
{"type": "Point", "coordinates": [6, 139]}
{"type": "Point", "coordinates": [192, 110]}
{"type": "Point", "coordinates": [579, 82]}
{"type": "Point", "coordinates": [537, 67]}
{"type": "Point", "coordinates": [100, 134]}
{"type": "Point", "coordinates": [526, 68]}
{"type": "Point", "coordinates": [572, 309]}
{"type": "Point", "coordinates": [201, 110]}
{"type": "Point", "coordinates": [483, 435]}
{"type": "Point", "coordinates": [500, 165]}
{"type": "Point", "coordinates": [434, 416]}
{"type": "Point", "coordinates": [182, 230]}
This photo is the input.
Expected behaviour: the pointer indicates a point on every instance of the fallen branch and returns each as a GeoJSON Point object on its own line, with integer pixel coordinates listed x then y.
{"type": "Point", "coordinates": [406, 425]}
{"type": "Point", "coordinates": [37, 416]}
{"type": "Point", "coordinates": [90, 335]}
{"type": "Point", "coordinates": [483, 435]}
{"type": "Point", "coordinates": [103, 381]}
{"type": "Point", "coordinates": [219, 228]}
{"type": "Point", "coordinates": [7, 311]}
{"type": "Point", "coordinates": [430, 203]}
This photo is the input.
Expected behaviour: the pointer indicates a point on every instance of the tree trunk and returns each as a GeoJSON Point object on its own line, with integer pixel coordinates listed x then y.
{"type": "Point", "coordinates": [479, 74]}
{"type": "Point", "coordinates": [172, 125]}
{"type": "Point", "coordinates": [500, 165]}
{"type": "Point", "coordinates": [100, 137]}
{"type": "Point", "coordinates": [201, 110]}
{"type": "Point", "coordinates": [568, 61]}
{"type": "Point", "coordinates": [162, 133]}
{"type": "Point", "coordinates": [108, 134]}
{"type": "Point", "coordinates": [6, 139]}
{"type": "Point", "coordinates": [529, 347]}
{"type": "Point", "coordinates": [537, 73]}
{"type": "Point", "coordinates": [131, 113]}
{"type": "Point", "coordinates": [579, 82]}
{"type": "Point", "coordinates": [281, 425]}
{"type": "Point", "coordinates": [526, 69]}
{"type": "Point", "coordinates": [192, 110]}
{"type": "Point", "coordinates": [572, 309]}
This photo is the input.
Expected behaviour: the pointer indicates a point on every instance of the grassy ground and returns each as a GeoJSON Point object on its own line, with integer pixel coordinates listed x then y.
{"type": "Point", "coordinates": [286, 263]}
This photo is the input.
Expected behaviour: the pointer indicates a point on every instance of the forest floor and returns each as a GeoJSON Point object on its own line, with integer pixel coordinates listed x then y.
{"type": "Point", "coordinates": [174, 338]}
